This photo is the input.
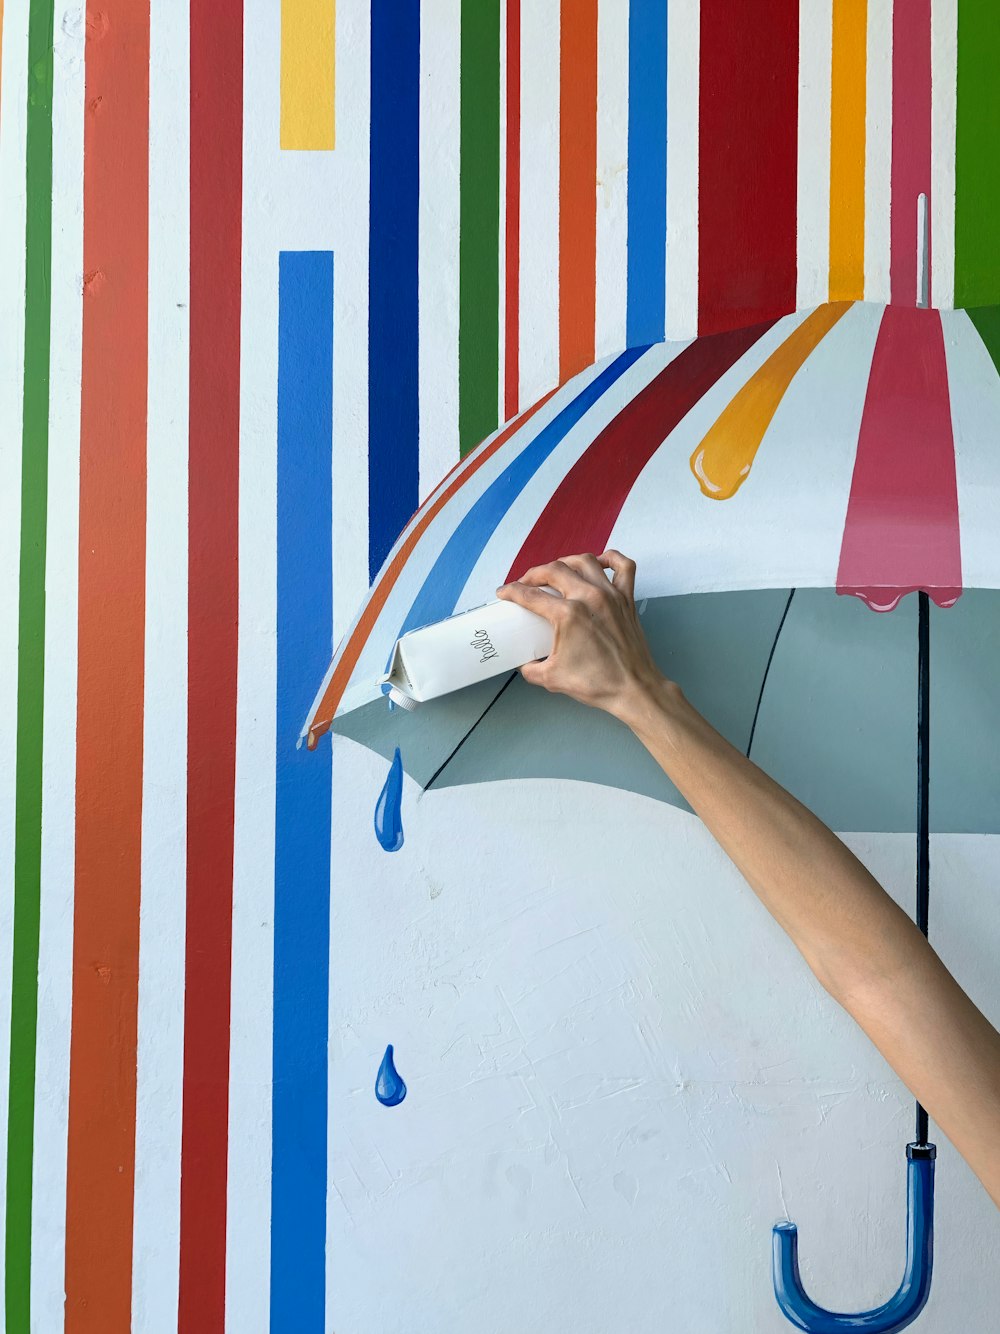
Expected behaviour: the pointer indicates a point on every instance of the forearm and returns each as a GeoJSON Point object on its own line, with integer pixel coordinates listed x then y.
{"type": "Point", "coordinates": [848, 929]}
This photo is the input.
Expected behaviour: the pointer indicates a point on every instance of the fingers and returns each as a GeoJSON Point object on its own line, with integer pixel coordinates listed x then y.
{"type": "Point", "coordinates": [556, 574]}
{"type": "Point", "coordinates": [589, 566]}
{"type": "Point", "coordinates": [624, 571]}
{"type": "Point", "coordinates": [533, 599]}
{"type": "Point", "coordinates": [534, 672]}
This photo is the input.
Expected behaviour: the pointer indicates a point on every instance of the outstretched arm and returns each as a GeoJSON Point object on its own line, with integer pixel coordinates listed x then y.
{"type": "Point", "coordinates": [868, 954]}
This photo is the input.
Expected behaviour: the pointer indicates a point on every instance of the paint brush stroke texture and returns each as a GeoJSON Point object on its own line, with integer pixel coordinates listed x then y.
{"type": "Point", "coordinates": [748, 116]}
{"type": "Point", "coordinates": [101, 1149]}
{"type": "Point", "coordinates": [30, 670]}
{"type": "Point", "coordinates": [393, 419]}
{"type": "Point", "coordinates": [213, 603]}
{"type": "Point", "coordinates": [307, 74]}
{"type": "Point", "coordinates": [302, 794]}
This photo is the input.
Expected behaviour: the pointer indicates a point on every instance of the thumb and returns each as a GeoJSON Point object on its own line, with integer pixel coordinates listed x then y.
{"type": "Point", "coordinates": [534, 672]}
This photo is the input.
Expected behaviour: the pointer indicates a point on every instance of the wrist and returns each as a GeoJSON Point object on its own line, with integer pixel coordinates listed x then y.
{"type": "Point", "coordinates": [648, 702]}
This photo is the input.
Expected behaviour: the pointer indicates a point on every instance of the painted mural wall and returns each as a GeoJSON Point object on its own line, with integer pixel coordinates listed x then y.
{"type": "Point", "coordinates": [272, 270]}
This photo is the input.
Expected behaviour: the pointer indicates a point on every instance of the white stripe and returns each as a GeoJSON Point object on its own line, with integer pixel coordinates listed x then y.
{"type": "Point", "coordinates": [538, 353]}
{"type": "Point", "coordinates": [440, 90]}
{"type": "Point", "coordinates": [13, 103]}
{"type": "Point", "coordinates": [248, 1219]}
{"type": "Point", "coordinates": [813, 233]}
{"type": "Point", "coordinates": [974, 392]}
{"type": "Point", "coordinates": [784, 526]}
{"type": "Point", "coordinates": [160, 1063]}
{"type": "Point", "coordinates": [55, 963]}
{"type": "Point", "coordinates": [944, 88]}
{"type": "Point", "coordinates": [683, 83]}
{"type": "Point", "coordinates": [878, 149]}
{"type": "Point", "coordinates": [612, 177]}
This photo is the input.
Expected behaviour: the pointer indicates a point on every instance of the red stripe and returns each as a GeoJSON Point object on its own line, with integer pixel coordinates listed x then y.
{"type": "Point", "coordinates": [582, 512]}
{"type": "Point", "coordinates": [902, 531]}
{"type": "Point", "coordinates": [747, 169]}
{"type": "Point", "coordinates": [911, 141]}
{"type": "Point", "coordinates": [101, 1140]}
{"type": "Point", "coordinates": [216, 209]}
{"type": "Point", "coordinates": [512, 263]}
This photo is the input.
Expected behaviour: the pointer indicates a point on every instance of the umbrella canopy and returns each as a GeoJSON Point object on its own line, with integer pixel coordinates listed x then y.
{"type": "Point", "coordinates": [855, 447]}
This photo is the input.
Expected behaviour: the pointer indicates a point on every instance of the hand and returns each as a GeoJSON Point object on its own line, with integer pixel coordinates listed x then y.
{"type": "Point", "coordinates": [600, 655]}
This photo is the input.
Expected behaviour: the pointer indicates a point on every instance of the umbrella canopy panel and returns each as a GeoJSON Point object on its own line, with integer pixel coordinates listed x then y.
{"type": "Point", "coordinates": [836, 723]}
{"type": "Point", "coordinates": [852, 446]}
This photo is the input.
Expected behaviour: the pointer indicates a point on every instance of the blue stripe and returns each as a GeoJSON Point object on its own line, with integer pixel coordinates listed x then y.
{"type": "Point", "coordinates": [647, 171]}
{"type": "Point", "coordinates": [443, 585]}
{"type": "Point", "coordinates": [393, 422]}
{"type": "Point", "coordinates": [302, 795]}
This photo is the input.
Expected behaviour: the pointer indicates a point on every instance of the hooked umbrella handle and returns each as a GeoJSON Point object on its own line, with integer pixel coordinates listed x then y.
{"type": "Point", "coordinates": [908, 1301]}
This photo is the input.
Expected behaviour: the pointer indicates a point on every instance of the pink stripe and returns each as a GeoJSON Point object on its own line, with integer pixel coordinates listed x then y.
{"type": "Point", "coordinates": [911, 141]}
{"type": "Point", "coordinates": [902, 532]}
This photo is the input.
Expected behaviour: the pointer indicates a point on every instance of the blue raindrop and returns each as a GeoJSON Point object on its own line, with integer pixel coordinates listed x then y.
{"type": "Point", "coordinates": [388, 808]}
{"type": "Point", "coordinates": [389, 1087]}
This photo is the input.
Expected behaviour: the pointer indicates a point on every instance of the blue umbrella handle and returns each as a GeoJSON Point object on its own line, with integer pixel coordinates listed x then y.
{"type": "Point", "coordinates": [906, 1304]}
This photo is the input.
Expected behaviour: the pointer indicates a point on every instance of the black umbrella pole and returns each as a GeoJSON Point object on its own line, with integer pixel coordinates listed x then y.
{"type": "Point", "coordinates": [923, 789]}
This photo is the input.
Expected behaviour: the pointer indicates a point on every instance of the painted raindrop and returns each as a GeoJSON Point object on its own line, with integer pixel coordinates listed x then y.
{"type": "Point", "coordinates": [389, 1087]}
{"type": "Point", "coordinates": [388, 808]}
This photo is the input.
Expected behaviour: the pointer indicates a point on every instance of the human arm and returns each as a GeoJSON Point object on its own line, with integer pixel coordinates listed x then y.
{"type": "Point", "coordinates": [864, 949]}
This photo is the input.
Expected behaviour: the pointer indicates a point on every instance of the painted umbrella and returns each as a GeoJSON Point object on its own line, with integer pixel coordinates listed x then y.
{"type": "Point", "coordinates": [856, 448]}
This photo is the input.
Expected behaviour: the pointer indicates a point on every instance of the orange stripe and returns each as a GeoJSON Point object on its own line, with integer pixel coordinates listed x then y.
{"type": "Point", "coordinates": [725, 456]}
{"type": "Point", "coordinates": [352, 651]}
{"type": "Point", "coordinates": [847, 150]}
{"type": "Point", "coordinates": [101, 1147]}
{"type": "Point", "coordinates": [577, 185]}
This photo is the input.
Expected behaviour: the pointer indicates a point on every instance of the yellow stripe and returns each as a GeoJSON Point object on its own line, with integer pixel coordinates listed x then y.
{"type": "Point", "coordinates": [307, 74]}
{"type": "Point", "coordinates": [847, 150]}
{"type": "Point", "coordinates": [726, 454]}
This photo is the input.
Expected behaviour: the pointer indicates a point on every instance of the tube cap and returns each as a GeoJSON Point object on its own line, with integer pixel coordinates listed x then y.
{"type": "Point", "coordinates": [406, 702]}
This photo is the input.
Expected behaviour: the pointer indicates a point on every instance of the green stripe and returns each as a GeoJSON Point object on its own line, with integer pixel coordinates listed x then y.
{"type": "Point", "coordinates": [987, 322]}
{"type": "Point", "coordinates": [30, 667]}
{"type": "Point", "coordinates": [977, 155]}
{"type": "Point", "coordinates": [479, 224]}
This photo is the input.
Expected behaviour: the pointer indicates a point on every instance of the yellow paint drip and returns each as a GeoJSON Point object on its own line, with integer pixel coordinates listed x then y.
{"type": "Point", "coordinates": [725, 456]}
{"type": "Point", "coordinates": [307, 74]}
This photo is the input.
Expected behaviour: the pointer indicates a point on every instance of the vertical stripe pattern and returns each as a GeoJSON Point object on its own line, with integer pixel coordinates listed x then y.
{"type": "Point", "coordinates": [30, 669]}
{"type": "Point", "coordinates": [577, 185]}
{"type": "Point", "coordinates": [393, 414]}
{"type": "Point", "coordinates": [512, 214]}
{"type": "Point", "coordinates": [647, 171]}
{"type": "Point", "coordinates": [748, 115]}
{"type": "Point", "coordinates": [516, 186]}
{"type": "Point", "coordinates": [977, 164]}
{"type": "Point", "coordinates": [307, 74]}
{"type": "Point", "coordinates": [302, 795]}
{"type": "Point", "coordinates": [213, 604]}
{"type": "Point", "coordinates": [911, 141]}
{"type": "Point", "coordinates": [847, 150]}
{"type": "Point", "coordinates": [109, 760]}
{"type": "Point", "coordinates": [479, 153]}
